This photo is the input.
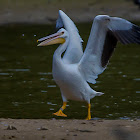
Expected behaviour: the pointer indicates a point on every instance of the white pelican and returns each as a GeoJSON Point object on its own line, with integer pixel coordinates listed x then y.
{"type": "Point", "coordinates": [76, 69]}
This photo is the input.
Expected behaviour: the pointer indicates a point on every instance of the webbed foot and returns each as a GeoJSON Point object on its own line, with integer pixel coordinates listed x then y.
{"type": "Point", "coordinates": [88, 117]}
{"type": "Point", "coordinates": [60, 113]}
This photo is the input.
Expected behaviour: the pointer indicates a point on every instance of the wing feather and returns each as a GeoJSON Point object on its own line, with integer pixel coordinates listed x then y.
{"type": "Point", "coordinates": [108, 48]}
{"type": "Point", "coordinates": [102, 42]}
{"type": "Point", "coordinates": [74, 50]}
{"type": "Point", "coordinates": [59, 23]}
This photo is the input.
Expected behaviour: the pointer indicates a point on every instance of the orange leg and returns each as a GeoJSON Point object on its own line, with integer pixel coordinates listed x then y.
{"type": "Point", "coordinates": [89, 114]}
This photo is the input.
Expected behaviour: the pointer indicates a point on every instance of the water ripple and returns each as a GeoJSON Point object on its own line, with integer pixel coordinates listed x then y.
{"type": "Point", "coordinates": [44, 73]}
{"type": "Point", "coordinates": [6, 74]}
{"type": "Point", "coordinates": [44, 91]}
{"type": "Point", "coordinates": [51, 85]}
{"type": "Point", "coordinates": [136, 79]}
{"type": "Point", "coordinates": [19, 70]}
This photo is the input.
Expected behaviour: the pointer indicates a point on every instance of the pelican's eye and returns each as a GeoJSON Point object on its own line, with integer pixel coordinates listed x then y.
{"type": "Point", "coordinates": [63, 32]}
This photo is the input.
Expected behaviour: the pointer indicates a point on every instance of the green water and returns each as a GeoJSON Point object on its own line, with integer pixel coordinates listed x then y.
{"type": "Point", "coordinates": [27, 89]}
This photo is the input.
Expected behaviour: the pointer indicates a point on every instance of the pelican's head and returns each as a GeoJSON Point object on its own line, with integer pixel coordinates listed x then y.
{"type": "Point", "coordinates": [56, 38]}
{"type": "Point", "coordinates": [102, 19]}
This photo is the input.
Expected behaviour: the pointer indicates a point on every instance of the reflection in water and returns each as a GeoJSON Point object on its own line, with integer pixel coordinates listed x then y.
{"type": "Point", "coordinates": [27, 88]}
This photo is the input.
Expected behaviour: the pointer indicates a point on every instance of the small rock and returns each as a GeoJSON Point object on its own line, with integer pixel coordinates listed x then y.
{"type": "Point", "coordinates": [12, 137]}
{"type": "Point", "coordinates": [83, 123]}
{"type": "Point", "coordinates": [53, 118]}
{"type": "Point", "coordinates": [42, 128]}
{"type": "Point", "coordinates": [100, 120]}
{"type": "Point", "coordinates": [83, 130]}
{"type": "Point", "coordinates": [68, 134]}
{"type": "Point", "coordinates": [93, 124]}
{"type": "Point", "coordinates": [10, 127]}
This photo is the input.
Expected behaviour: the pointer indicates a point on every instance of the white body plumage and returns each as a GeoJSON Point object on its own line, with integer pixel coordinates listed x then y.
{"type": "Point", "coordinates": [75, 69]}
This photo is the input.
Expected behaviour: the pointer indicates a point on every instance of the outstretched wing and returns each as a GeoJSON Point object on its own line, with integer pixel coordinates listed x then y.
{"type": "Point", "coordinates": [74, 50]}
{"type": "Point", "coordinates": [102, 42]}
{"type": "Point", "coordinates": [125, 31]}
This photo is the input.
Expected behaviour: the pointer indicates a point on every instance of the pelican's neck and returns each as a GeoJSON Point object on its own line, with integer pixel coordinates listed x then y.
{"type": "Point", "coordinates": [58, 52]}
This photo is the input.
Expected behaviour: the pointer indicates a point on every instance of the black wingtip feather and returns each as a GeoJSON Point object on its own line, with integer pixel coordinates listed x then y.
{"type": "Point", "coordinates": [109, 46]}
{"type": "Point", "coordinates": [128, 36]}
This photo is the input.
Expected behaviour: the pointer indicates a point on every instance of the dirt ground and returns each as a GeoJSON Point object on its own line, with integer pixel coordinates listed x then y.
{"type": "Point", "coordinates": [46, 11]}
{"type": "Point", "coordinates": [39, 129]}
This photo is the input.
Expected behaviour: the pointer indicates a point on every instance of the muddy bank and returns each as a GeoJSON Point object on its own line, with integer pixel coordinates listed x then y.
{"type": "Point", "coordinates": [46, 12]}
{"type": "Point", "coordinates": [38, 129]}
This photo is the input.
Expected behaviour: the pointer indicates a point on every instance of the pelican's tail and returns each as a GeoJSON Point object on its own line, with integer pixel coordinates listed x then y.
{"type": "Point", "coordinates": [99, 93]}
{"type": "Point", "coordinates": [95, 94]}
